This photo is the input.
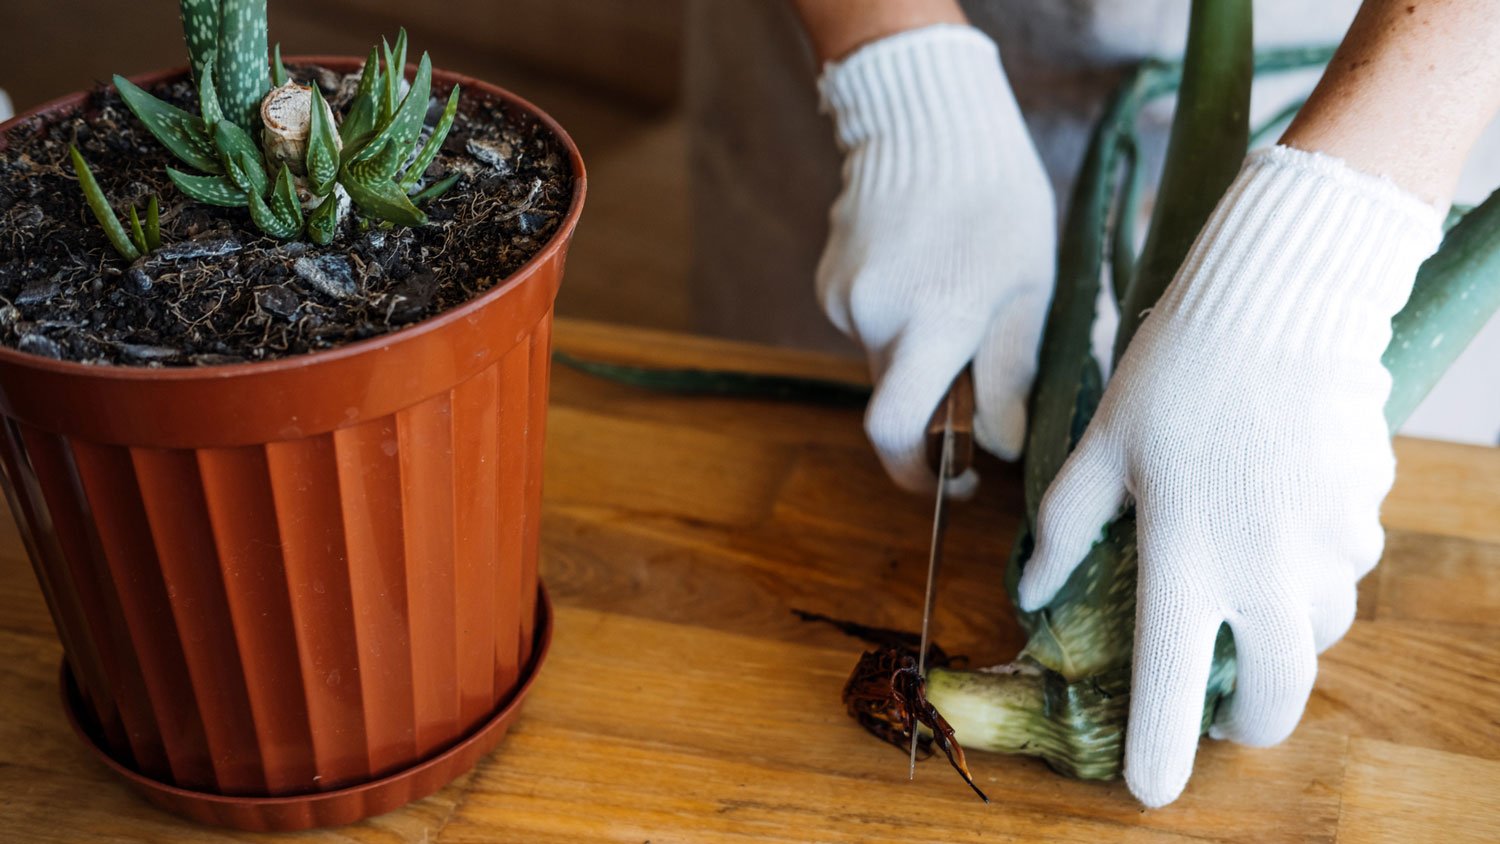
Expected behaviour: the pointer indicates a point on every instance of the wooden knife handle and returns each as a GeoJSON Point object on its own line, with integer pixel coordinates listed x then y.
{"type": "Point", "coordinates": [961, 398]}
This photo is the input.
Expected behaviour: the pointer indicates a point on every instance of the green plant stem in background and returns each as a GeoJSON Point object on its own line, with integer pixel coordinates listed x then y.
{"type": "Point", "coordinates": [1210, 132]}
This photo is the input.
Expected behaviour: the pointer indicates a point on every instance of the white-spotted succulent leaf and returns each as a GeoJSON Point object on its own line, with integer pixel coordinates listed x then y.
{"type": "Point", "coordinates": [241, 158]}
{"type": "Point", "coordinates": [323, 222]}
{"type": "Point", "coordinates": [200, 31]}
{"type": "Point", "coordinates": [359, 122]}
{"type": "Point", "coordinates": [385, 200]}
{"type": "Point", "coordinates": [208, 98]}
{"type": "Point", "coordinates": [240, 65]}
{"type": "Point", "coordinates": [182, 133]}
{"type": "Point", "coordinates": [281, 215]}
{"type": "Point", "coordinates": [322, 147]}
{"type": "Point", "coordinates": [211, 190]}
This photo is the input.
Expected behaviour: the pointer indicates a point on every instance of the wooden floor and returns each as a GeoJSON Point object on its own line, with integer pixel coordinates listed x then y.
{"type": "Point", "coordinates": [683, 703]}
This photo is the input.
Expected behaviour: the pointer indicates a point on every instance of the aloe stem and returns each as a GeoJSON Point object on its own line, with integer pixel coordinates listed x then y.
{"type": "Point", "coordinates": [1210, 132]}
{"type": "Point", "coordinates": [200, 31]}
{"type": "Point", "coordinates": [241, 72]}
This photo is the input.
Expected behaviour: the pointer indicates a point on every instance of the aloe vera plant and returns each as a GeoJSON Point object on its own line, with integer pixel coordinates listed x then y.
{"type": "Point", "coordinates": [281, 152]}
{"type": "Point", "coordinates": [1066, 696]}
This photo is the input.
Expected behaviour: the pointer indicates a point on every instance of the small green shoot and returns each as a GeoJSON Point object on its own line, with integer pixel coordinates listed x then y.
{"type": "Point", "coordinates": [99, 205]}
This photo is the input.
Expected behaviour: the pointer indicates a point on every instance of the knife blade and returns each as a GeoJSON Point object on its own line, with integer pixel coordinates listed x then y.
{"type": "Point", "coordinates": [950, 451]}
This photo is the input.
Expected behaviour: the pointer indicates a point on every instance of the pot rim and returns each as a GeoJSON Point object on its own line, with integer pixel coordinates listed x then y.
{"type": "Point", "coordinates": [215, 372]}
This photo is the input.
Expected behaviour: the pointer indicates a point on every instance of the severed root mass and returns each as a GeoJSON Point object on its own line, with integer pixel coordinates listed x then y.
{"type": "Point", "coordinates": [887, 696]}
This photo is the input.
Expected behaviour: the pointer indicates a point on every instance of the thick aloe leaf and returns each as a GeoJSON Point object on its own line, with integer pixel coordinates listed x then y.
{"type": "Point", "coordinates": [434, 143]}
{"type": "Point", "coordinates": [241, 158]}
{"type": "Point", "coordinates": [183, 134]}
{"type": "Point", "coordinates": [213, 190]}
{"type": "Point", "coordinates": [322, 147]}
{"type": "Point", "coordinates": [240, 65]}
{"type": "Point", "coordinates": [385, 201]}
{"type": "Point", "coordinates": [1457, 292]}
{"type": "Point", "coordinates": [99, 206]}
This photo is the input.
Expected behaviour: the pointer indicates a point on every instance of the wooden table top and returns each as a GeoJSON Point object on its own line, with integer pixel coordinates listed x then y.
{"type": "Point", "coordinates": [683, 703]}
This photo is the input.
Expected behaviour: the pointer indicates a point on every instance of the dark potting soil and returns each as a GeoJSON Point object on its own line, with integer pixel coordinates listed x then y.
{"type": "Point", "coordinates": [220, 291]}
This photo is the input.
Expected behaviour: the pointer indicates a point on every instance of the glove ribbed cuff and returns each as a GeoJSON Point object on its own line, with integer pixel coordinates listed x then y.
{"type": "Point", "coordinates": [920, 100]}
{"type": "Point", "coordinates": [1307, 252]}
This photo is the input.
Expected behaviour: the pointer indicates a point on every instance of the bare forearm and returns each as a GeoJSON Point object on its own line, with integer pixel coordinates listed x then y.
{"type": "Point", "coordinates": [838, 27]}
{"type": "Point", "coordinates": [1408, 93]}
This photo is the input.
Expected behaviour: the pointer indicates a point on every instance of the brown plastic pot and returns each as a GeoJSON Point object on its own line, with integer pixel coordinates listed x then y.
{"type": "Point", "coordinates": [301, 592]}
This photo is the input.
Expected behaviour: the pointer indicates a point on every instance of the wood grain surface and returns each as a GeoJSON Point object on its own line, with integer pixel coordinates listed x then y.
{"type": "Point", "coordinates": [684, 703]}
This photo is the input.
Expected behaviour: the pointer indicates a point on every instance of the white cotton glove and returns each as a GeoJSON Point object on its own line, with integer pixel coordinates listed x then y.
{"type": "Point", "coordinates": [942, 243]}
{"type": "Point", "coordinates": [1246, 420]}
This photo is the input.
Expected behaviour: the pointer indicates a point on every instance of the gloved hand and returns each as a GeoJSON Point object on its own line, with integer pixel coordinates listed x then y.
{"type": "Point", "coordinates": [942, 243]}
{"type": "Point", "coordinates": [1246, 420]}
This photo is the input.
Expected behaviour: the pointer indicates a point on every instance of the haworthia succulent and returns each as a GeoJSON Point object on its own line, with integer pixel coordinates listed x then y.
{"type": "Point", "coordinates": [281, 216]}
{"type": "Point", "coordinates": [385, 200]}
{"type": "Point", "coordinates": [323, 222]}
{"type": "Point", "coordinates": [241, 158]}
{"type": "Point", "coordinates": [359, 121]}
{"type": "Point", "coordinates": [394, 137]}
{"type": "Point", "coordinates": [240, 64]}
{"type": "Point", "coordinates": [182, 133]}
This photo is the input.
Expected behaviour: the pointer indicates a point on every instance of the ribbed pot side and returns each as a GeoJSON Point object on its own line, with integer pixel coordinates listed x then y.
{"type": "Point", "coordinates": [301, 577]}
